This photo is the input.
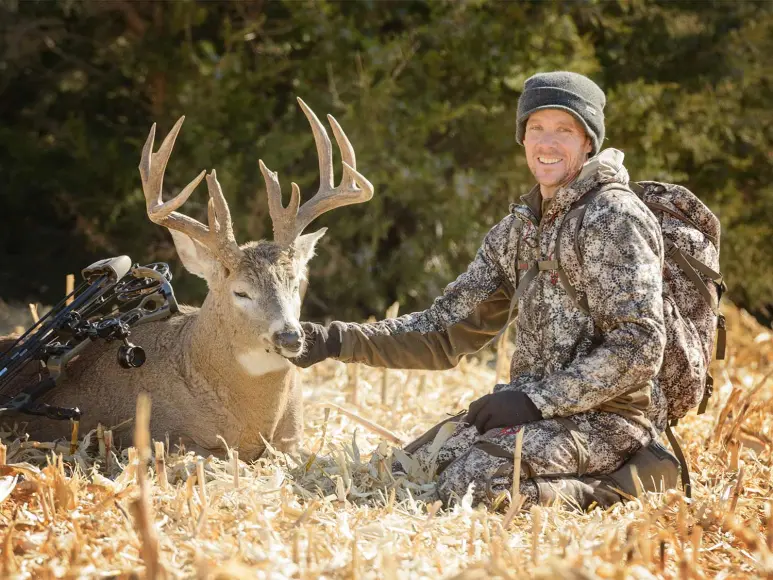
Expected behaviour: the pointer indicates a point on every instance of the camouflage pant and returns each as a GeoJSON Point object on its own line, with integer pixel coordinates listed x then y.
{"type": "Point", "coordinates": [554, 454]}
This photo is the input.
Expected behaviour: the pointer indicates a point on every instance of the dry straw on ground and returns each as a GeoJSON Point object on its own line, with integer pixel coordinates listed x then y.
{"type": "Point", "coordinates": [335, 511]}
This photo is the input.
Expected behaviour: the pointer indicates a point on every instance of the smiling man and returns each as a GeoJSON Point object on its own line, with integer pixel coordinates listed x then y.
{"type": "Point", "coordinates": [587, 352]}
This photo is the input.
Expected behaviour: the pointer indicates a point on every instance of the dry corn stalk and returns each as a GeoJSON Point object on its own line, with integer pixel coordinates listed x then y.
{"type": "Point", "coordinates": [353, 375]}
{"type": "Point", "coordinates": [723, 414]}
{"type": "Point", "coordinates": [516, 499]}
{"type": "Point", "coordinates": [189, 483]}
{"type": "Point", "coordinates": [43, 500]}
{"type": "Point", "coordinates": [503, 363]}
{"type": "Point", "coordinates": [422, 388]}
{"type": "Point", "coordinates": [735, 453]}
{"type": "Point", "coordinates": [385, 433]}
{"type": "Point", "coordinates": [697, 535]}
{"type": "Point", "coordinates": [101, 440]}
{"type": "Point", "coordinates": [737, 490]}
{"type": "Point", "coordinates": [3, 451]}
{"type": "Point", "coordinates": [108, 448]}
{"type": "Point", "coordinates": [163, 481]}
{"type": "Point", "coordinates": [235, 463]}
{"type": "Point", "coordinates": [131, 464]}
{"type": "Point", "coordinates": [390, 313]}
{"type": "Point", "coordinates": [34, 313]}
{"type": "Point", "coordinates": [536, 530]}
{"type": "Point", "coordinates": [8, 560]}
{"type": "Point", "coordinates": [74, 436]}
{"type": "Point", "coordinates": [141, 506]}
{"type": "Point", "coordinates": [202, 487]}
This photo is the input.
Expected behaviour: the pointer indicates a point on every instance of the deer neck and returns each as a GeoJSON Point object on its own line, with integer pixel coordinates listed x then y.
{"type": "Point", "coordinates": [223, 357]}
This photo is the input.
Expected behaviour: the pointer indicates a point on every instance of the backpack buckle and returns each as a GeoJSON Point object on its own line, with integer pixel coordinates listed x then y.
{"type": "Point", "coordinates": [708, 390]}
{"type": "Point", "coordinates": [721, 336]}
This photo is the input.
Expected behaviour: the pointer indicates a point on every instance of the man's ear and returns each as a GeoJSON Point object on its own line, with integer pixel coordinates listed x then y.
{"type": "Point", "coordinates": [305, 245]}
{"type": "Point", "coordinates": [197, 259]}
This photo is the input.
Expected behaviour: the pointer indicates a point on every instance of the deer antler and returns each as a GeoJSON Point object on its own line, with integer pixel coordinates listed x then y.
{"type": "Point", "coordinates": [219, 236]}
{"type": "Point", "coordinates": [289, 222]}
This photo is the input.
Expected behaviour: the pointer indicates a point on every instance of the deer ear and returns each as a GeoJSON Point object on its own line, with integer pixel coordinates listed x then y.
{"type": "Point", "coordinates": [305, 244]}
{"type": "Point", "coordinates": [197, 259]}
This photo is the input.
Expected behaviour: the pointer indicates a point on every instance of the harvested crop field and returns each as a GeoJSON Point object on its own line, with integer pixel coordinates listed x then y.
{"type": "Point", "coordinates": [335, 511]}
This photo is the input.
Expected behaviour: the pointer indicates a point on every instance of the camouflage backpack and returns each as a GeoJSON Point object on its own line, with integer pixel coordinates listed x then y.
{"type": "Point", "coordinates": [692, 288]}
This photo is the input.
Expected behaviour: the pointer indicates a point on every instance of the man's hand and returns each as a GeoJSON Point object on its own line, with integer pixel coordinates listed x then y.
{"type": "Point", "coordinates": [320, 342]}
{"type": "Point", "coordinates": [502, 409]}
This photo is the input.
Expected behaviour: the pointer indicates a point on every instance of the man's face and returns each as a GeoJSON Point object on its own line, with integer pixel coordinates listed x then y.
{"type": "Point", "coordinates": [556, 147]}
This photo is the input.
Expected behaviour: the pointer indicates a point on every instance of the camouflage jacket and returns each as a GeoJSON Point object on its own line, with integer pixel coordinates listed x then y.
{"type": "Point", "coordinates": [567, 361]}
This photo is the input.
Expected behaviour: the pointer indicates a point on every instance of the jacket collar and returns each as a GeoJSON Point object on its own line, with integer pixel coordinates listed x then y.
{"type": "Point", "coordinates": [533, 200]}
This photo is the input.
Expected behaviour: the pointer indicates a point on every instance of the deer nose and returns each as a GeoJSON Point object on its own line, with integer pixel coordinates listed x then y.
{"type": "Point", "coordinates": [289, 339]}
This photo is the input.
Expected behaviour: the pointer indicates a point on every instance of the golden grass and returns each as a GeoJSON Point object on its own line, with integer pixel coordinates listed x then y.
{"type": "Point", "coordinates": [335, 511]}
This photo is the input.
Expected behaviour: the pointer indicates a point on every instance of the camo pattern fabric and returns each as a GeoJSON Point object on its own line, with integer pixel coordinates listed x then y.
{"type": "Point", "coordinates": [548, 451]}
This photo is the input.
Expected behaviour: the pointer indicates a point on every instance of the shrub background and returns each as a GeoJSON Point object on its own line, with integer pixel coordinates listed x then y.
{"type": "Point", "coordinates": [427, 93]}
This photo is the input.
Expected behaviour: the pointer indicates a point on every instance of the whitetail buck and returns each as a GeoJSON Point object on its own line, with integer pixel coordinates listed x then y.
{"type": "Point", "coordinates": [219, 369]}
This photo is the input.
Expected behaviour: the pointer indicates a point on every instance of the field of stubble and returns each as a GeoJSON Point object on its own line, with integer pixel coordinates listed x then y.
{"type": "Point", "coordinates": [334, 510]}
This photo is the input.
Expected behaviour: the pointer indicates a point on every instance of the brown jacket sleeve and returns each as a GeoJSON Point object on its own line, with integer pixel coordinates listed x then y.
{"type": "Point", "coordinates": [471, 311]}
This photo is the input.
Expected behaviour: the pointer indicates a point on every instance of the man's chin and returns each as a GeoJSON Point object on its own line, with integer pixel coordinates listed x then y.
{"type": "Point", "coordinates": [551, 178]}
{"type": "Point", "coordinates": [550, 183]}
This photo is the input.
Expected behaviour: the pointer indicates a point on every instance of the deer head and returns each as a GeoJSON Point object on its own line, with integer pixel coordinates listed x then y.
{"type": "Point", "coordinates": [254, 288]}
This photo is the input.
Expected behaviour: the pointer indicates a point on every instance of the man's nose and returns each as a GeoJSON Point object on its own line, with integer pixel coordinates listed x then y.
{"type": "Point", "coordinates": [291, 339]}
{"type": "Point", "coordinates": [547, 143]}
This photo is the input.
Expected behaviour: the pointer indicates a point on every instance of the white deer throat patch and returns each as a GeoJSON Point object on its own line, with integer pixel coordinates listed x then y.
{"type": "Point", "coordinates": [259, 362]}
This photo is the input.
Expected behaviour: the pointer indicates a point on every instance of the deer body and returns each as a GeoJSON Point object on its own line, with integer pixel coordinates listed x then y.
{"type": "Point", "coordinates": [199, 390]}
{"type": "Point", "coordinates": [220, 370]}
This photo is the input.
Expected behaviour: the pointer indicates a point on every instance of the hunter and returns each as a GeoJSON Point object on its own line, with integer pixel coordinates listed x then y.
{"type": "Point", "coordinates": [582, 384]}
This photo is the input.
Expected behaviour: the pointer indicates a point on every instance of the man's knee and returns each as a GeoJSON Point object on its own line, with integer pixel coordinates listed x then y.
{"type": "Point", "coordinates": [474, 467]}
{"type": "Point", "coordinates": [486, 465]}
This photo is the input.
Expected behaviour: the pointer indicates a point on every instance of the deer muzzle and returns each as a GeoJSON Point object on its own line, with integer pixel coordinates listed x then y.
{"type": "Point", "coordinates": [289, 340]}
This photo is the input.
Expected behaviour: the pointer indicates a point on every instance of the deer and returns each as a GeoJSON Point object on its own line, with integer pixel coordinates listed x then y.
{"type": "Point", "coordinates": [221, 370]}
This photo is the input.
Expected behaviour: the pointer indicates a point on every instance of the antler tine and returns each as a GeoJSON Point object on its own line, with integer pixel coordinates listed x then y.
{"type": "Point", "coordinates": [282, 218]}
{"type": "Point", "coordinates": [354, 187]}
{"type": "Point", "coordinates": [218, 237]}
{"type": "Point", "coordinates": [222, 214]}
{"type": "Point", "coordinates": [324, 147]}
{"type": "Point", "coordinates": [347, 151]}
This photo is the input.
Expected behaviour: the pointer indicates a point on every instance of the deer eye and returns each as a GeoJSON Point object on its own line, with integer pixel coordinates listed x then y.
{"type": "Point", "coordinates": [242, 295]}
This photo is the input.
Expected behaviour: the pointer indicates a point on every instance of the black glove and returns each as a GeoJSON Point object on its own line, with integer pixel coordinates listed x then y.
{"type": "Point", "coordinates": [320, 342]}
{"type": "Point", "coordinates": [502, 409]}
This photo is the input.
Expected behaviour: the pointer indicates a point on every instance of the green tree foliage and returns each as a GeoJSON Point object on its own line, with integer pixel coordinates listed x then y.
{"type": "Point", "coordinates": [425, 90]}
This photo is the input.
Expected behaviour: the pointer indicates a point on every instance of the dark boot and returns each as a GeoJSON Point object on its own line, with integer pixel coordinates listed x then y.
{"type": "Point", "coordinates": [654, 468]}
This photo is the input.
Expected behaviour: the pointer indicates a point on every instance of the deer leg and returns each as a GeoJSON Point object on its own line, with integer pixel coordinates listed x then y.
{"type": "Point", "coordinates": [289, 430]}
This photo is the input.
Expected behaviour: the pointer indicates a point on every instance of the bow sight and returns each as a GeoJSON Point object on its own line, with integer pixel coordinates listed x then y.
{"type": "Point", "coordinates": [114, 296]}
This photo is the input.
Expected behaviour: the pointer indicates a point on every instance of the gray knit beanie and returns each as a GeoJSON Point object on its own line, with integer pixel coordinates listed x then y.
{"type": "Point", "coordinates": [568, 91]}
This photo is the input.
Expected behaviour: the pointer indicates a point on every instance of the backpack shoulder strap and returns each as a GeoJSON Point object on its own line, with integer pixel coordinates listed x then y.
{"type": "Point", "coordinates": [683, 467]}
{"type": "Point", "coordinates": [578, 209]}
